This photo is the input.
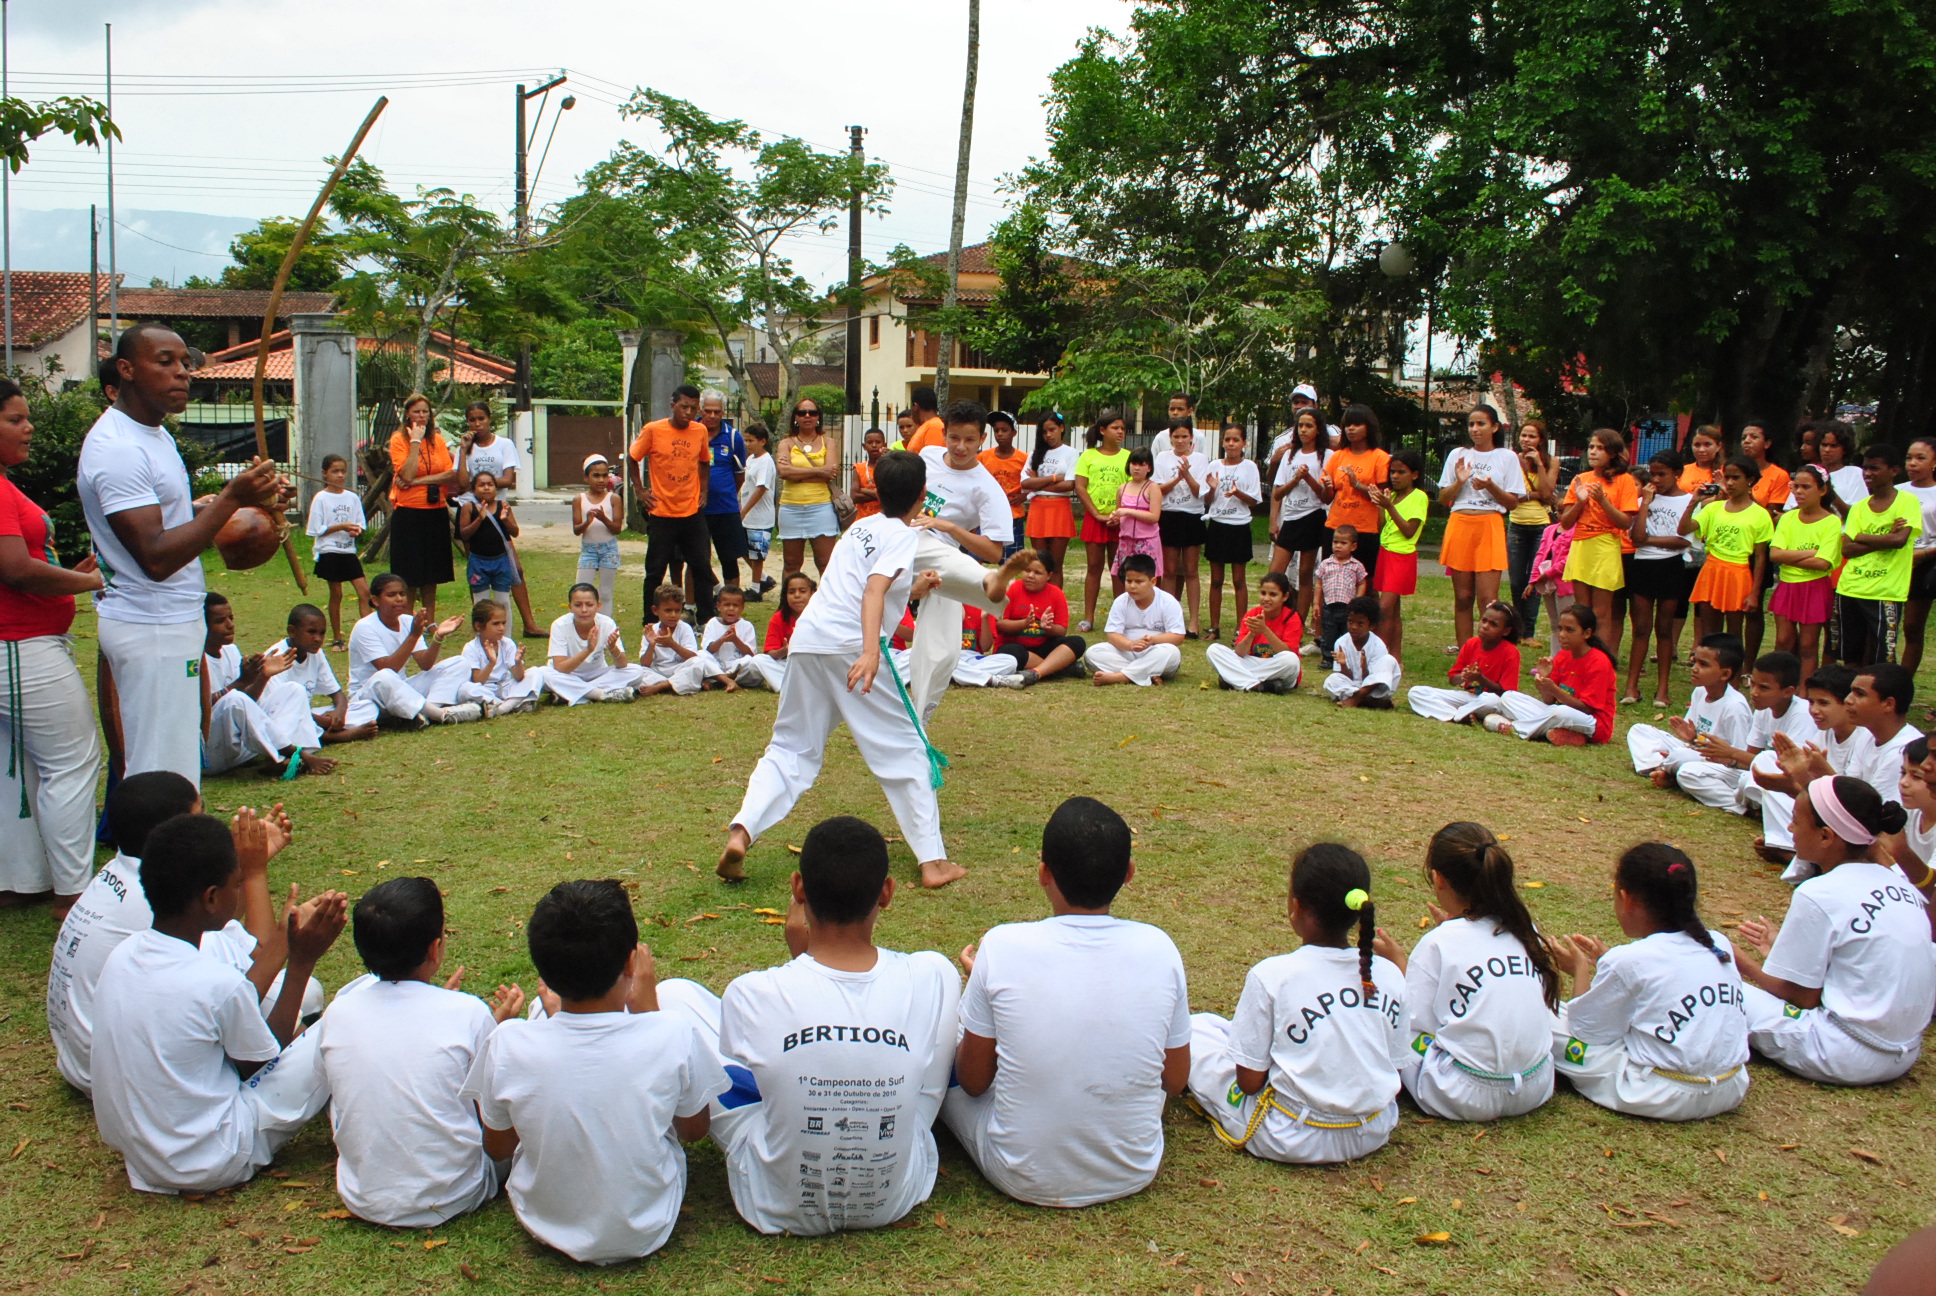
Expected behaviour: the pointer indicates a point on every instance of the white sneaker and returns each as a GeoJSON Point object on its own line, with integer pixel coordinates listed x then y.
{"type": "Point", "coordinates": [490, 709]}
{"type": "Point", "coordinates": [1498, 724]}
{"type": "Point", "coordinates": [1308, 650]}
{"type": "Point", "coordinates": [1014, 681]}
{"type": "Point", "coordinates": [594, 695]}
{"type": "Point", "coordinates": [621, 694]}
{"type": "Point", "coordinates": [463, 713]}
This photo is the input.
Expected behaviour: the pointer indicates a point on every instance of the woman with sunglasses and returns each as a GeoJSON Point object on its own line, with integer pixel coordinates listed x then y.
{"type": "Point", "coordinates": [809, 464]}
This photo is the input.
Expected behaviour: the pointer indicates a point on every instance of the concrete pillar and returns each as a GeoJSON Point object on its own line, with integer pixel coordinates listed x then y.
{"type": "Point", "coordinates": [666, 349]}
{"type": "Point", "coordinates": [325, 417]}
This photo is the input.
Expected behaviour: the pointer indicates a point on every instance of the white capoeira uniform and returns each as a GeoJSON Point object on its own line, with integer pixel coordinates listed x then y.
{"type": "Point", "coordinates": [972, 499]}
{"type": "Point", "coordinates": [1164, 615]}
{"type": "Point", "coordinates": [242, 729]}
{"type": "Point", "coordinates": [771, 670]}
{"type": "Point", "coordinates": [1332, 1051]}
{"type": "Point", "coordinates": [1453, 706]}
{"type": "Point", "coordinates": [1482, 1035]}
{"type": "Point", "coordinates": [1859, 933]}
{"type": "Point", "coordinates": [595, 672]}
{"type": "Point", "coordinates": [1778, 808]}
{"type": "Point", "coordinates": [1254, 671]}
{"type": "Point", "coordinates": [1727, 788]}
{"type": "Point", "coordinates": [814, 698]}
{"type": "Point", "coordinates": [738, 656]}
{"type": "Point", "coordinates": [1727, 718]}
{"type": "Point", "coordinates": [1879, 764]}
{"type": "Point", "coordinates": [687, 674]}
{"type": "Point", "coordinates": [1372, 664]}
{"type": "Point", "coordinates": [1662, 1032]}
{"type": "Point", "coordinates": [499, 686]}
{"type": "Point", "coordinates": [378, 692]}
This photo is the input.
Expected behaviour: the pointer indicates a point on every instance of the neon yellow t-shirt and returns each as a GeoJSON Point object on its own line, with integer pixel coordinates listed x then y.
{"type": "Point", "coordinates": [1882, 574]}
{"type": "Point", "coordinates": [1106, 474]}
{"type": "Point", "coordinates": [1824, 536]}
{"type": "Point", "coordinates": [1414, 505]}
{"type": "Point", "coordinates": [1732, 537]}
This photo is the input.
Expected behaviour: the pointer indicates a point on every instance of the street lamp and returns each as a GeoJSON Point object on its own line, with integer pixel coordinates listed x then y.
{"type": "Point", "coordinates": [1396, 261]}
{"type": "Point", "coordinates": [524, 201]}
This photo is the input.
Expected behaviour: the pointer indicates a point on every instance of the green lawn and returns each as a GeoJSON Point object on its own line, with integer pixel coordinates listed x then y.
{"type": "Point", "coordinates": [1221, 788]}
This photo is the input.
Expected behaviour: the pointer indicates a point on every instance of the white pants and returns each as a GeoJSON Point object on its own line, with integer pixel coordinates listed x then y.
{"type": "Point", "coordinates": [690, 675]}
{"type": "Point", "coordinates": [700, 1008]}
{"type": "Point", "coordinates": [1382, 676]}
{"type": "Point", "coordinates": [1454, 706]}
{"type": "Point", "coordinates": [772, 670]}
{"type": "Point", "coordinates": [157, 678]}
{"type": "Point", "coordinates": [979, 670]}
{"type": "Point", "coordinates": [1810, 1043]}
{"type": "Point", "coordinates": [937, 630]}
{"type": "Point", "coordinates": [744, 671]}
{"type": "Point", "coordinates": [506, 689]}
{"type": "Point", "coordinates": [1157, 659]}
{"type": "Point", "coordinates": [571, 689]}
{"type": "Point", "coordinates": [1715, 785]}
{"type": "Point", "coordinates": [391, 693]}
{"type": "Point", "coordinates": [284, 1095]}
{"type": "Point", "coordinates": [814, 700]}
{"type": "Point", "coordinates": [55, 765]}
{"type": "Point", "coordinates": [1777, 808]}
{"type": "Point", "coordinates": [1443, 1089]}
{"type": "Point", "coordinates": [1278, 1137]}
{"type": "Point", "coordinates": [238, 732]}
{"type": "Point", "coordinates": [1654, 749]}
{"type": "Point", "coordinates": [1605, 1074]}
{"type": "Point", "coordinates": [1247, 673]}
{"type": "Point", "coordinates": [1533, 719]}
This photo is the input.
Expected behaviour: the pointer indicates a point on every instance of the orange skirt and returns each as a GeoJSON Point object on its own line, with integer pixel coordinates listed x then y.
{"type": "Point", "coordinates": [1474, 542]}
{"type": "Point", "coordinates": [1724, 586]}
{"type": "Point", "coordinates": [1050, 516]}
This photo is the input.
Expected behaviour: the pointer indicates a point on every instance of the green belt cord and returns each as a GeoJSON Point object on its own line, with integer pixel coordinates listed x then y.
{"type": "Point", "coordinates": [16, 728]}
{"type": "Point", "coordinates": [937, 759]}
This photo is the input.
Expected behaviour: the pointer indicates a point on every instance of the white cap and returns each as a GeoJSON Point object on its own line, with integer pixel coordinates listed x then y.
{"type": "Point", "coordinates": [591, 459]}
{"type": "Point", "coordinates": [1307, 391]}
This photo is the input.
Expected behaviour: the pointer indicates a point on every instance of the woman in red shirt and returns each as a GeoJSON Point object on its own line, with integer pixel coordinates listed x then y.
{"type": "Point", "coordinates": [1034, 627]}
{"type": "Point", "coordinates": [46, 840]}
{"type": "Point", "coordinates": [1576, 690]}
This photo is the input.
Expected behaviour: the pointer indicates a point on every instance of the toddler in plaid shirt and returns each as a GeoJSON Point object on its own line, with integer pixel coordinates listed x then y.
{"type": "Point", "coordinates": [1341, 578]}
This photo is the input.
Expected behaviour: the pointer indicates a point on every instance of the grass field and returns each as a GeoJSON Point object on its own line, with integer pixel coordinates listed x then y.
{"type": "Point", "coordinates": [1220, 788]}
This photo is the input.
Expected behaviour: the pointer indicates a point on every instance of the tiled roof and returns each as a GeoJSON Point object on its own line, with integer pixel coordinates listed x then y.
{"type": "Point", "coordinates": [215, 303]}
{"type": "Point", "coordinates": [474, 368]}
{"type": "Point", "coordinates": [963, 296]}
{"type": "Point", "coordinates": [766, 376]}
{"type": "Point", "coordinates": [47, 303]}
{"type": "Point", "coordinates": [974, 259]}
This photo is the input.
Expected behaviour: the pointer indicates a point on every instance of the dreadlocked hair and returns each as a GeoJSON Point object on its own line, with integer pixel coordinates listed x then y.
{"type": "Point", "coordinates": [1474, 864]}
{"type": "Point", "coordinates": [1326, 877]}
{"type": "Point", "coordinates": [1662, 879]}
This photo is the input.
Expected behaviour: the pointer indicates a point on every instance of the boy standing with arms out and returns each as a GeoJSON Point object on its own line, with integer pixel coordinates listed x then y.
{"type": "Point", "coordinates": [810, 1156]}
{"type": "Point", "coordinates": [594, 1098]}
{"type": "Point", "coordinates": [1075, 1030]}
{"type": "Point", "coordinates": [1877, 545]}
{"type": "Point", "coordinates": [1144, 630]}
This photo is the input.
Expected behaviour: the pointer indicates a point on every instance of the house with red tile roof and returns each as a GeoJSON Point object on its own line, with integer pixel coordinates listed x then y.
{"type": "Point", "coordinates": [451, 359]}
{"type": "Point", "coordinates": [238, 310]}
{"type": "Point", "coordinates": [53, 323]}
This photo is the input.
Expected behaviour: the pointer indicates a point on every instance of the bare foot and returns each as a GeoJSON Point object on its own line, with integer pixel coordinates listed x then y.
{"type": "Point", "coordinates": [939, 873]}
{"type": "Point", "coordinates": [1660, 778]}
{"type": "Point", "coordinates": [996, 583]}
{"type": "Point", "coordinates": [1159, 679]}
{"type": "Point", "coordinates": [1101, 678]}
{"type": "Point", "coordinates": [353, 733]}
{"type": "Point", "coordinates": [62, 903]}
{"type": "Point", "coordinates": [732, 860]}
{"type": "Point", "coordinates": [1349, 701]}
{"type": "Point", "coordinates": [314, 763]}
{"type": "Point", "coordinates": [1773, 854]}
{"type": "Point", "coordinates": [726, 683]}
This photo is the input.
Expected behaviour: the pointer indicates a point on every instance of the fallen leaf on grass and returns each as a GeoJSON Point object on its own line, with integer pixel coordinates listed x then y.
{"type": "Point", "coordinates": [940, 1220]}
{"type": "Point", "coordinates": [1865, 1155]}
{"type": "Point", "coordinates": [793, 848]}
{"type": "Point", "coordinates": [1433, 1239]}
{"type": "Point", "coordinates": [338, 1213]}
{"type": "Point", "coordinates": [1761, 1196]}
{"type": "Point", "coordinates": [1721, 1156]}
{"type": "Point", "coordinates": [298, 1204]}
{"type": "Point", "coordinates": [297, 1250]}
{"type": "Point", "coordinates": [1424, 922]}
{"type": "Point", "coordinates": [1535, 885]}
{"type": "Point", "coordinates": [706, 953]}
{"type": "Point", "coordinates": [1406, 1201]}
{"type": "Point", "coordinates": [770, 913]}
{"type": "Point", "coordinates": [1583, 819]}
{"type": "Point", "coordinates": [1844, 1229]}
{"type": "Point", "coordinates": [1635, 1224]}
{"type": "Point", "coordinates": [381, 863]}
{"type": "Point", "coordinates": [19, 1147]}
{"type": "Point", "coordinates": [774, 922]}
{"type": "Point", "coordinates": [499, 890]}
{"type": "Point", "coordinates": [296, 1183]}
{"type": "Point", "coordinates": [470, 1274]}
{"type": "Point", "coordinates": [1126, 742]}
{"type": "Point", "coordinates": [431, 1244]}
{"type": "Point", "coordinates": [718, 759]}
{"type": "Point", "coordinates": [1377, 1184]}
{"type": "Point", "coordinates": [1786, 1147]}
{"type": "Point", "coordinates": [1656, 1215]}
{"type": "Point", "coordinates": [1458, 1203]}
{"type": "Point", "coordinates": [1210, 1183]}
{"type": "Point", "coordinates": [1359, 1249]}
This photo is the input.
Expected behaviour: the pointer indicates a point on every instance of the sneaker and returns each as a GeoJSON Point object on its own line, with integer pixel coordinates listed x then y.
{"type": "Point", "coordinates": [1030, 678]}
{"type": "Point", "coordinates": [767, 583]}
{"type": "Point", "coordinates": [463, 713]}
{"type": "Point", "coordinates": [1498, 724]}
{"type": "Point", "coordinates": [1308, 650]}
{"type": "Point", "coordinates": [1223, 683]}
{"type": "Point", "coordinates": [1007, 681]}
{"type": "Point", "coordinates": [623, 693]}
{"type": "Point", "coordinates": [756, 595]}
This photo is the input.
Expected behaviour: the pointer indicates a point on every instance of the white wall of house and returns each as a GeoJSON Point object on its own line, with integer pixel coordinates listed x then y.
{"type": "Point", "coordinates": [73, 351]}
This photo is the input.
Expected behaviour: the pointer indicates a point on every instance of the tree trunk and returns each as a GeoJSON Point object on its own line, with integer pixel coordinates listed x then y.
{"type": "Point", "coordinates": [948, 298]}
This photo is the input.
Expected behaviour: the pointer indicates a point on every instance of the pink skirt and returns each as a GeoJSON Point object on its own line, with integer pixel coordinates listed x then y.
{"type": "Point", "coordinates": [1804, 602]}
{"type": "Point", "coordinates": [1128, 547]}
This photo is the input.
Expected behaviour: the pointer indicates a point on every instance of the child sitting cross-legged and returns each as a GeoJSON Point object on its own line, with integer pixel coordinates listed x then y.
{"type": "Point", "coordinates": [1719, 777]}
{"type": "Point", "coordinates": [498, 682]}
{"type": "Point", "coordinates": [1837, 736]}
{"type": "Point", "coordinates": [1265, 655]}
{"type": "Point", "coordinates": [309, 670]}
{"type": "Point", "coordinates": [192, 1086]}
{"type": "Point", "coordinates": [1144, 628]}
{"type": "Point", "coordinates": [1363, 672]}
{"type": "Point", "coordinates": [1716, 711]}
{"type": "Point", "coordinates": [669, 652]}
{"type": "Point", "coordinates": [1306, 1070]}
{"type": "Point", "coordinates": [396, 1046]}
{"type": "Point", "coordinates": [587, 654]}
{"type": "Point", "coordinates": [590, 1100]}
{"type": "Point", "coordinates": [1487, 665]}
{"type": "Point", "coordinates": [383, 644]}
{"type": "Point", "coordinates": [874, 1126]}
{"type": "Point", "coordinates": [249, 713]}
{"type": "Point", "coordinates": [1033, 629]}
{"type": "Point", "coordinates": [729, 640]}
{"type": "Point", "coordinates": [1576, 686]}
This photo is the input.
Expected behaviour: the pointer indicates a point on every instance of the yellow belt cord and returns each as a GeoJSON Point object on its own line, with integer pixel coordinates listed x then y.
{"type": "Point", "coordinates": [1694, 1079]}
{"type": "Point", "coordinates": [1267, 1103]}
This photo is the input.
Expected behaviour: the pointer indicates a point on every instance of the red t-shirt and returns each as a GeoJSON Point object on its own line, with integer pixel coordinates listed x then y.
{"type": "Point", "coordinates": [1591, 678]}
{"type": "Point", "coordinates": [971, 629]}
{"type": "Point", "coordinates": [1286, 625]}
{"type": "Point", "coordinates": [904, 633]}
{"type": "Point", "coordinates": [1051, 606]}
{"type": "Point", "coordinates": [1499, 663]}
{"type": "Point", "coordinates": [29, 616]}
{"type": "Point", "coordinates": [779, 632]}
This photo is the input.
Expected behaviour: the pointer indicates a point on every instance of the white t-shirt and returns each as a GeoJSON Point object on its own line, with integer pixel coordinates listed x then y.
{"type": "Point", "coordinates": [1223, 504]}
{"type": "Point", "coordinates": [312, 674]}
{"type": "Point", "coordinates": [1082, 1008]}
{"type": "Point", "coordinates": [663, 658]}
{"type": "Point", "coordinates": [970, 498]}
{"type": "Point", "coordinates": [1059, 463]}
{"type": "Point", "coordinates": [333, 508]}
{"type": "Point", "coordinates": [1304, 499]}
{"type": "Point", "coordinates": [1927, 494]}
{"type": "Point", "coordinates": [111, 909]}
{"type": "Point", "coordinates": [477, 657]}
{"type": "Point", "coordinates": [370, 639]}
{"type": "Point", "coordinates": [1850, 486]}
{"type": "Point", "coordinates": [1499, 465]}
{"type": "Point", "coordinates": [1179, 498]}
{"type": "Point", "coordinates": [1670, 1001]}
{"type": "Point", "coordinates": [567, 642]}
{"type": "Point", "coordinates": [1920, 833]}
{"type": "Point", "coordinates": [873, 546]}
{"type": "Point", "coordinates": [1796, 722]}
{"type": "Point", "coordinates": [1664, 519]}
{"type": "Point", "coordinates": [760, 471]}
{"type": "Point", "coordinates": [1328, 1044]}
{"type": "Point", "coordinates": [168, 1018]}
{"type": "Point", "coordinates": [494, 459]}
{"type": "Point", "coordinates": [851, 1068]}
{"type": "Point", "coordinates": [1880, 764]}
{"type": "Point", "coordinates": [128, 465]}
{"type": "Point", "coordinates": [410, 1153]}
{"type": "Point", "coordinates": [598, 1173]}
{"type": "Point", "coordinates": [223, 669]}
{"type": "Point", "coordinates": [744, 643]}
{"type": "Point", "coordinates": [1359, 661]}
{"type": "Point", "coordinates": [1859, 932]}
{"type": "Point", "coordinates": [1727, 717]}
{"type": "Point", "coordinates": [1470, 985]}
{"type": "Point", "coordinates": [1164, 615]}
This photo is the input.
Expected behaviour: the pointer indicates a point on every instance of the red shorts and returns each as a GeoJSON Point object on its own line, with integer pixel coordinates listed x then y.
{"type": "Point", "coordinates": [1094, 532]}
{"type": "Point", "coordinates": [1397, 573]}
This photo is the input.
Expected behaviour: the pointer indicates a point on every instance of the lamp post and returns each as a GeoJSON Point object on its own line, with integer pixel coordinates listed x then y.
{"type": "Point", "coordinates": [524, 202]}
{"type": "Point", "coordinates": [1396, 262]}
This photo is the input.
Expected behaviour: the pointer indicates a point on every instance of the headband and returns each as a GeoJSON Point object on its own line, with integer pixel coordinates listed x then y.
{"type": "Point", "coordinates": [591, 459]}
{"type": "Point", "coordinates": [1830, 810]}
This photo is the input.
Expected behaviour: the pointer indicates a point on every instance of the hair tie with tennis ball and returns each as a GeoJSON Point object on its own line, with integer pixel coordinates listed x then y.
{"type": "Point", "coordinates": [1356, 898]}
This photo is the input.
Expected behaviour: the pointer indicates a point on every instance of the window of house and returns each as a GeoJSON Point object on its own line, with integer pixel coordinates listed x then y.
{"type": "Point", "coordinates": [873, 330]}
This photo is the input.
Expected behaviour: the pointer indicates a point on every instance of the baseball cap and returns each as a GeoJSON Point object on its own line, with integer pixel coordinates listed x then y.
{"type": "Point", "coordinates": [1307, 391]}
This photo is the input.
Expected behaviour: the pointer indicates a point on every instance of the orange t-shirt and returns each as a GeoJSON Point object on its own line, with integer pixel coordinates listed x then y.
{"type": "Point", "coordinates": [1007, 473]}
{"type": "Point", "coordinates": [432, 459]}
{"type": "Point", "coordinates": [931, 433]}
{"type": "Point", "coordinates": [1348, 507]}
{"type": "Point", "coordinates": [1772, 492]}
{"type": "Point", "coordinates": [864, 480]}
{"type": "Point", "coordinates": [1621, 492]}
{"type": "Point", "coordinates": [679, 462]}
{"type": "Point", "coordinates": [1693, 477]}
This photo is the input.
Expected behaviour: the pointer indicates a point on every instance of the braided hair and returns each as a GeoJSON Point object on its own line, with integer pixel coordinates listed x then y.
{"type": "Point", "coordinates": [1326, 878]}
{"type": "Point", "coordinates": [1474, 864]}
{"type": "Point", "coordinates": [1662, 879]}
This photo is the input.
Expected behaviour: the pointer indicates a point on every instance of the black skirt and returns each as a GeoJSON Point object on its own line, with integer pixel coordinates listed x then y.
{"type": "Point", "coordinates": [1228, 542]}
{"type": "Point", "coordinates": [1180, 530]}
{"type": "Point", "coordinates": [420, 546]}
{"type": "Point", "coordinates": [1307, 532]}
{"type": "Point", "coordinates": [1668, 580]}
{"type": "Point", "coordinates": [339, 568]}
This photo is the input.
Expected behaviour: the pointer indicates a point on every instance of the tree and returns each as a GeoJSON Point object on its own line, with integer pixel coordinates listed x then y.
{"type": "Point", "coordinates": [950, 294]}
{"type": "Point", "coordinates": [259, 253]}
{"type": "Point", "coordinates": [81, 120]}
{"type": "Point", "coordinates": [1027, 326]}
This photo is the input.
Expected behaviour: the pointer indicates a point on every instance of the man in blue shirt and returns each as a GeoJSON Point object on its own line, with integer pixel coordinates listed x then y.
{"type": "Point", "coordinates": [722, 490]}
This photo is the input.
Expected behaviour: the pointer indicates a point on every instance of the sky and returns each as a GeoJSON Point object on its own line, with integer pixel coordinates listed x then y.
{"type": "Point", "coordinates": [228, 106]}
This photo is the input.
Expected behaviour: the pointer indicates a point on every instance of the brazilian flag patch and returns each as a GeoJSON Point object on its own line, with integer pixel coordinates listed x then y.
{"type": "Point", "coordinates": [1575, 1052]}
{"type": "Point", "coordinates": [1790, 1011]}
{"type": "Point", "coordinates": [1421, 1044]}
{"type": "Point", "coordinates": [195, 668]}
{"type": "Point", "coordinates": [1236, 1096]}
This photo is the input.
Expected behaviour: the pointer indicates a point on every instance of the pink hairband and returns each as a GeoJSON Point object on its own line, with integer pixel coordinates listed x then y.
{"type": "Point", "coordinates": [1829, 809]}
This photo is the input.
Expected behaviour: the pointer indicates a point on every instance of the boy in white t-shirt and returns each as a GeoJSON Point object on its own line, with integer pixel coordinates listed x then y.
{"type": "Point", "coordinates": [383, 645]}
{"type": "Point", "coordinates": [670, 653]}
{"type": "Point", "coordinates": [1363, 671]}
{"type": "Point", "coordinates": [586, 654]}
{"type": "Point", "coordinates": [249, 712]}
{"type": "Point", "coordinates": [729, 639]}
{"type": "Point", "coordinates": [758, 507]}
{"type": "Point", "coordinates": [191, 1085]}
{"type": "Point", "coordinates": [309, 670]}
{"type": "Point", "coordinates": [1878, 700]}
{"type": "Point", "coordinates": [839, 1059]}
{"type": "Point", "coordinates": [590, 1101]}
{"type": "Point", "coordinates": [1837, 736]}
{"type": "Point", "coordinates": [1143, 632]}
{"type": "Point", "coordinates": [1076, 1028]}
{"type": "Point", "coordinates": [1720, 777]}
{"type": "Point", "coordinates": [1716, 710]}
{"type": "Point", "coordinates": [395, 1054]}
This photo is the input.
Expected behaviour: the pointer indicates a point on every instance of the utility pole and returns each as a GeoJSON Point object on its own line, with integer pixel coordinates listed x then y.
{"type": "Point", "coordinates": [114, 281]}
{"type": "Point", "coordinates": [93, 283]}
{"type": "Point", "coordinates": [6, 206]}
{"type": "Point", "coordinates": [854, 134]}
{"type": "Point", "coordinates": [523, 217]}
{"type": "Point", "coordinates": [949, 295]}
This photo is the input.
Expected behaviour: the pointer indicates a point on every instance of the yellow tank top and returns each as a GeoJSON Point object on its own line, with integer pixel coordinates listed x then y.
{"type": "Point", "coordinates": [807, 492]}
